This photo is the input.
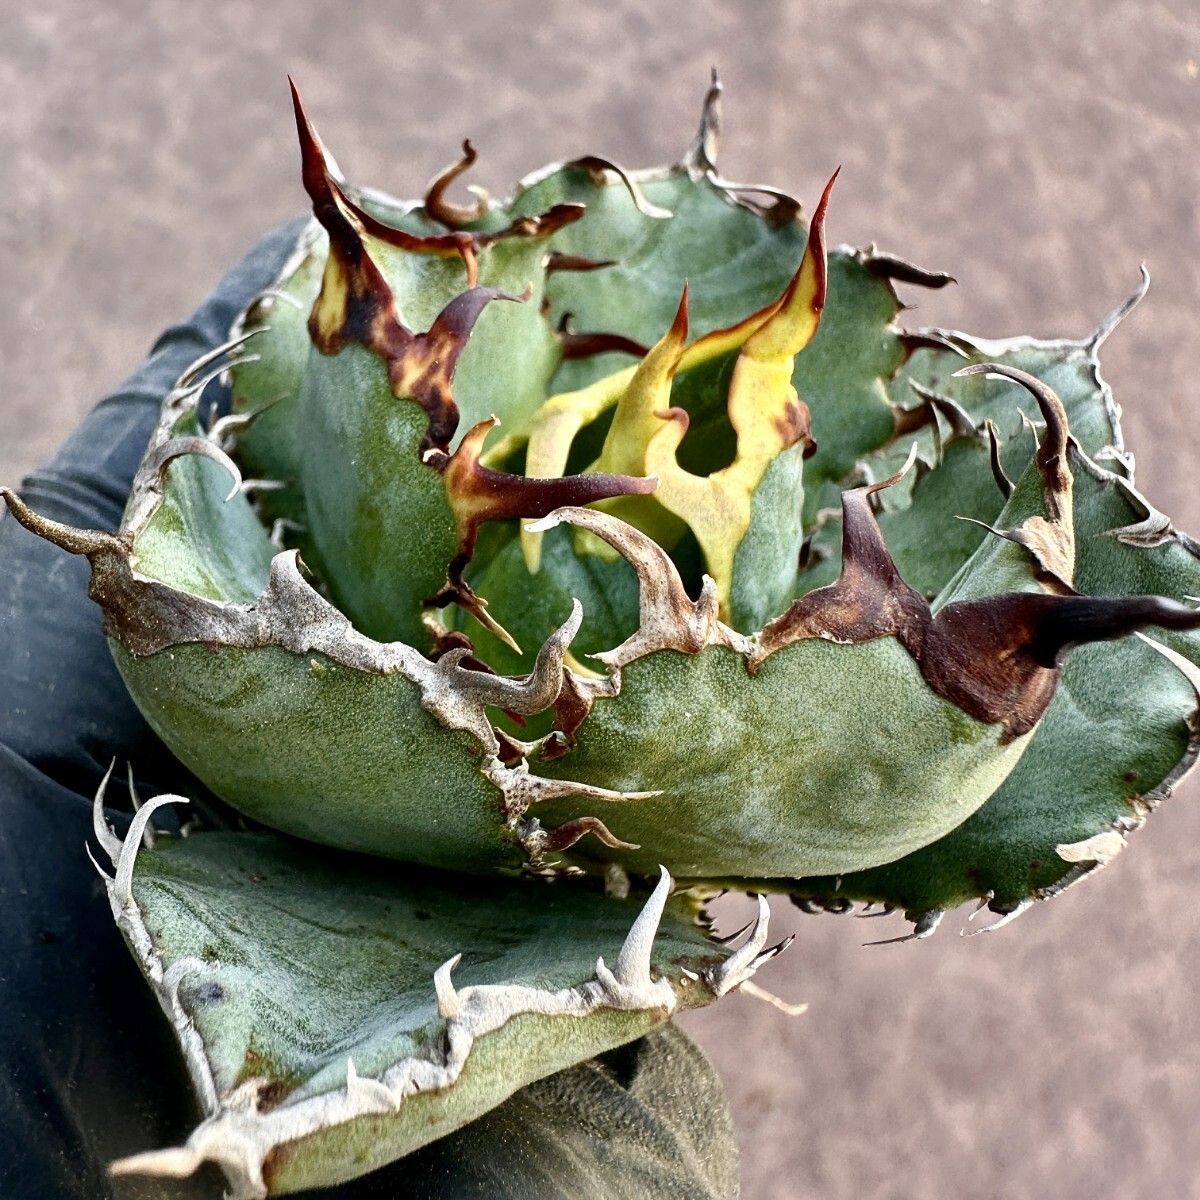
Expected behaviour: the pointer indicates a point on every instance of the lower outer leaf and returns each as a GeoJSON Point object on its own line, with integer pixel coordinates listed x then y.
{"type": "Point", "coordinates": [324, 751]}
{"type": "Point", "coordinates": [1081, 778]}
{"type": "Point", "coordinates": [647, 1121]}
{"type": "Point", "coordinates": [313, 996]}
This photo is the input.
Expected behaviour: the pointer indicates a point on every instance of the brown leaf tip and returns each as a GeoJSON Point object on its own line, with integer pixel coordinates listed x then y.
{"type": "Point", "coordinates": [1052, 453]}
{"type": "Point", "coordinates": [556, 260]}
{"type": "Point", "coordinates": [477, 493]}
{"type": "Point", "coordinates": [900, 270]}
{"type": "Point", "coordinates": [347, 222]}
{"type": "Point", "coordinates": [817, 244]}
{"type": "Point", "coordinates": [997, 658]}
{"type": "Point", "coordinates": [577, 344]}
{"type": "Point", "coordinates": [444, 211]}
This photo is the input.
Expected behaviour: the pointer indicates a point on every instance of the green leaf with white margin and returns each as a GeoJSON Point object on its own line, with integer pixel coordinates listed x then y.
{"type": "Point", "coordinates": [335, 1017]}
{"type": "Point", "coordinates": [384, 750]}
{"type": "Point", "coordinates": [249, 701]}
{"type": "Point", "coordinates": [201, 539]}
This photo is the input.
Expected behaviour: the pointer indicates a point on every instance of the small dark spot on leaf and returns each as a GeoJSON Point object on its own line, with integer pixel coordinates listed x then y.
{"type": "Point", "coordinates": [270, 1094]}
{"type": "Point", "coordinates": [209, 952]}
{"type": "Point", "coordinates": [1130, 776]}
{"type": "Point", "coordinates": [421, 915]}
{"type": "Point", "coordinates": [257, 311]}
{"type": "Point", "coordinates": [1035, 865]}
{"type": "Point", "coordinates": [49, 937]}
{"type": "Point", "coordinates": [210, 992]}
{"type": "Point", "coordinates": [212, 647]}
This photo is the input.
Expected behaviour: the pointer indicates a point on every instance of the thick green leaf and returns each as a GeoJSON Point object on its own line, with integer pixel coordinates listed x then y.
{"type": "Point", "coordinates": [934, 525]}
{"type": "Point", "coordinates": [764, 567]}
{"type": "Point", "coordinates": [842, 376]}
{"type": "Point", "coordinates": [507, 364]}
{"type": "Point", "coordinates": [303, 987]}
{"type": "Point", "coordinates": [314, 747]}
{"type": "Point", "coordinates": [200, 539]}
{"type": "Point", "coordinates": [378, 516]}
{"type": "Point", "coordinates": [830, 754]}
{"type": "Point", "coordinates": [265, 378]}
{"type": "Point", "coordinates": [1118, 730]}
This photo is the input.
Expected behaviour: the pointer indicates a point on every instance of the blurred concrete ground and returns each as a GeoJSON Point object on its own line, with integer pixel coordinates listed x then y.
{"type": "Point", "coordinates": [1037, 152]}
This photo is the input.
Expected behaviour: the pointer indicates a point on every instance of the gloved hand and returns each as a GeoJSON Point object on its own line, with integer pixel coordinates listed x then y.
{"type": "Point", "coordinates": [89, 1071]}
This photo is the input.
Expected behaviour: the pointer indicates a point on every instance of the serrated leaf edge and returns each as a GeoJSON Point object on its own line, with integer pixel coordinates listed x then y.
{"type": "Point", "coordinates": [240, 1138]}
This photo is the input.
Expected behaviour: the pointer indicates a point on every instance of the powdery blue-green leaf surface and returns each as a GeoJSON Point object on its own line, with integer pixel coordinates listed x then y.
{"type": "Point", "coordinates": [400, 782]}
{"type": "Point", "coordinates": [758, 768]}
{"type": "Point", "coordinates": [934, 524]}
{"type": "Point", "coordinates": [335, 1017]}
{"type": "Point", "coordinates": [358, 496]}
{"type": "Point", "coordinates": [1121, 729]}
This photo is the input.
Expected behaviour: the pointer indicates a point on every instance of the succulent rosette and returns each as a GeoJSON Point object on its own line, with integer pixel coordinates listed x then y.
{"type": "Point", "coordinates": [609, 535]}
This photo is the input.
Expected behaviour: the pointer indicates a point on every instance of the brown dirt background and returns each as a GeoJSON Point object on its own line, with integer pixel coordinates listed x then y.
{"type": "Point", "coordinates": [1038, 152]}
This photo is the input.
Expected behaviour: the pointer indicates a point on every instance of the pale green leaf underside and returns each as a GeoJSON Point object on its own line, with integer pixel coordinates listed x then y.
{"type": "Point", "coordinates": [291, 961]}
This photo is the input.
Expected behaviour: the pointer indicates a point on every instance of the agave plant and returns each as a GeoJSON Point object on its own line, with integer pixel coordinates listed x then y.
{"type": "Point", "coordinates": [607, 539]}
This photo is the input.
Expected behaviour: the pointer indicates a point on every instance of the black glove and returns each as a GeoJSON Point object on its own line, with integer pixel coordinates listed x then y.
{"type": "Point", "coordinates": [89, 1071]}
